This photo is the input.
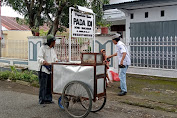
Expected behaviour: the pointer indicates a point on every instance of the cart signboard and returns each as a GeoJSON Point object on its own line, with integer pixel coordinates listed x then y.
{"type": "Point", "coordinates": [82, 25]}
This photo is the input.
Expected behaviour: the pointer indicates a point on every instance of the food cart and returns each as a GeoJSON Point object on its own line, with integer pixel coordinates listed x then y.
{"type": "Point", "coordinates": [82, 86]}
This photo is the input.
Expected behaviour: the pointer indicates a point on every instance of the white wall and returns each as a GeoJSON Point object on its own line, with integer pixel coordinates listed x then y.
{"type": "Point", "coordinates": [118, 1]}
{"type": "Point", "coordinates": [154, 15]}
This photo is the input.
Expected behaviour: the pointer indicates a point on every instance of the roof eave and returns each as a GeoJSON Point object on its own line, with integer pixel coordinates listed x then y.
{"type": "Point", "coordinates": [139, 5]}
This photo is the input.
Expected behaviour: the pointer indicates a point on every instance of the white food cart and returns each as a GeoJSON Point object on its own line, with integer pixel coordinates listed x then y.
{"type": "Point", "coordinates": [82, 86]}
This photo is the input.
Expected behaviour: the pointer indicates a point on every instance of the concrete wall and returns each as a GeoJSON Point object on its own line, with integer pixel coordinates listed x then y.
{"type": "Point", "coordinates": [17, 35]}
{"type": "Point", "coordinates": [154, 15]}
{"type": "Point", "coordinates": [118, 1]}
{"type": "Point", "coordinates": [34, 44]}
{"type": "Point", "coordinates": [105, 42]}
{"type": "Point", "coordinates": [14, 42]}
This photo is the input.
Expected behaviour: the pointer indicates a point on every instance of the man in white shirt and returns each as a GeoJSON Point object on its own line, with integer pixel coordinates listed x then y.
{"type": "Point", "coordinates": [46, 56]}
{"type": "Point", "coordinates": [124, 61]}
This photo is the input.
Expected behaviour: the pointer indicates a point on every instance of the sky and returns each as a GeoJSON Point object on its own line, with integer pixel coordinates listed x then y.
{"type": "Point", "coordinates": [8, 11]}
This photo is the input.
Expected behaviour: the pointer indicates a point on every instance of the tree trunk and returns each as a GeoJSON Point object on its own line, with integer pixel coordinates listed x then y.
{"type": "Point", "coordinates": [55, 26]}
{"type": "Point", "coordinates": [33, 33]}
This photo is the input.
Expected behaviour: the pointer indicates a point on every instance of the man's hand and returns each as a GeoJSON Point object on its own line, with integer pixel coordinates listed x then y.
{"type": "Point", "coordinates": [115, 54]}
{"type": "Point", "coordinates": [46, 63]}
{"type": "Point", "coordinates": [121, 63]}
{"type": "Point", "coordinates": [104, 62]}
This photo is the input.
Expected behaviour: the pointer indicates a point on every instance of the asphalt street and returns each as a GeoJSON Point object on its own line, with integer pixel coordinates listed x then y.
{"type": "Point", "coordinates": [20, 101]}
{"type": "Point", "coordinates": [21, 105]}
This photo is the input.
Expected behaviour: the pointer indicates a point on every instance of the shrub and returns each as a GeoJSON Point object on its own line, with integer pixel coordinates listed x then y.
{"type": "Point", "coordinates": [27, 76]}
{"type": "Point", "coordinates": [4, 75]}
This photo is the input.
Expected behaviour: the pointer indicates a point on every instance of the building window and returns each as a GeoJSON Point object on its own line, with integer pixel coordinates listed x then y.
{"type": "Point", "coordinates": [118, 28]}
{"type": "Point", "coordinates": [162, 13]}
{"type": "Point", "coordinates": [146, 14]}
{"type": "Point", "coordinates": [131, 16]}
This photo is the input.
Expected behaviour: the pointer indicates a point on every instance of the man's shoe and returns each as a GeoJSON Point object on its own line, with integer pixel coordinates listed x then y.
{"type": "Point", "coordinates": [41, 102]}
{"type": "Point", "coordinates": [122, 93]}
{"type": "Point", "coordinates": [49, 102]}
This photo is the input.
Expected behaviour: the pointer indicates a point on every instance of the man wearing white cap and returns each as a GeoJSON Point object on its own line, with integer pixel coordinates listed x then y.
{"type": "Point", "coordinates": [124, 62]}
{"type": "Point", "coordinates": [46, 56]}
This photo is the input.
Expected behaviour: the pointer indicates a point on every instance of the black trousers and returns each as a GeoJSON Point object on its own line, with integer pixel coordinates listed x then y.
{"type": "Point", "coordinates": [45, 94]}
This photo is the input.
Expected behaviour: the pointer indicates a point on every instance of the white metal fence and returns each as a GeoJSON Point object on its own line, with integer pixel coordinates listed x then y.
{"type": "Point", "coordinates": [154, 52]}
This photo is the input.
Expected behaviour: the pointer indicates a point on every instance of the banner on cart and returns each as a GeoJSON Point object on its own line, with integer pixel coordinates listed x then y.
{"type": "Point", "coordinates": [82, 25]}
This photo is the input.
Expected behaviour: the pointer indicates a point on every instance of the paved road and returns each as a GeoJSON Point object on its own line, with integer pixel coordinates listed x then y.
{"type": "Point", "coordinates": [16, 102]}
{"type": "Point", "coordinates": [20, 105]}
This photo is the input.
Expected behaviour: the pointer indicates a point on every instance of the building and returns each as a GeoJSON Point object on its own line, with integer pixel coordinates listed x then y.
{"type": "Point", "coordinates": [151, 30]}
{"type": "Point", "coordinates": [148, 17]}
{"type": "Point", "coordinates": [14, 43]}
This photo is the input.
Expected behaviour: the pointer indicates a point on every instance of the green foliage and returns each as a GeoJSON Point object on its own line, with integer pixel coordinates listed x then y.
{"type": "Point", "coordinates": [43, 33]}
{"type": "Point", "coordinates": [35, 29]}
{"type": "Point", "coordinates": [4, 75]}
{"type": "Point", "coordinates": [97, 7]}
{"type": "Point", "coordinates": [14, 75]}
{"type": "Point", "coordinates": [21, 21]}
{"type": "Point", "coordinates": [104, 23]}
{"type": "Point", "coordinates": [53, 12]}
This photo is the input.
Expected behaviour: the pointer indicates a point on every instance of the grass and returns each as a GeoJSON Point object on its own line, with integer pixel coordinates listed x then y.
{"type": "Point", "coordinates": [14, 75]}
{"type": "Point", "coordinates": [150, 92]}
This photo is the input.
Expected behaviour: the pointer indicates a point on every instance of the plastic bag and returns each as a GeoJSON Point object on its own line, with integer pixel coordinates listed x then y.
{"type": "Point", "coordinates": [115, 76]}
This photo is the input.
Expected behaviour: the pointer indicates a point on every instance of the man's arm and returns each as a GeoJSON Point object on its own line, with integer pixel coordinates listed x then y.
{"type": "Point", "coordinates": [40, 57]}
{"type": "Point", "coordinates": [123, 57]}
{"type": "Point", "coordinates": [115, 54]}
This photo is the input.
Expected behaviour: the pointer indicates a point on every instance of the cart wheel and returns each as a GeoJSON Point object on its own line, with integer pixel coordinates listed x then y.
{"type": "Point", "coordinates": [77, 92]}
{"type": "Point", "coordinates": [97, 105]}
{"type": "Point", "coordinates": [60, 102]}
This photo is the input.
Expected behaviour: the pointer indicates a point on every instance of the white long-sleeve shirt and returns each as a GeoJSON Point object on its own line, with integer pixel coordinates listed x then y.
{"type": "Point", "coordinates": [46, 54]}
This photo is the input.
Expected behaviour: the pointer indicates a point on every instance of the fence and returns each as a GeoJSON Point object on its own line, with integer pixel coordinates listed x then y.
{"type": "Point", "coordinates": [78, 45]}
{"type": "Point", "coordinates": [18, 49]}
{"type": "Point", "coordinates": [14, 49]}
{"type": "Point", "coordinates": [154, 52]}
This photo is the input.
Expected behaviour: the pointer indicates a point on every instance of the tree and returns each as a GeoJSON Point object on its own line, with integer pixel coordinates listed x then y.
{"type": "Point", "coordinates": [57, 13]}
{"type": "Point", "coordinates": [97, 7]}
{"type": "Point", "coordinates": [61, 16]}
{"type": "Point", "coordinates": [30, 9]}
{"type": "Point", "coordinates": [53, 12]}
